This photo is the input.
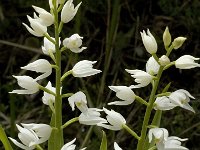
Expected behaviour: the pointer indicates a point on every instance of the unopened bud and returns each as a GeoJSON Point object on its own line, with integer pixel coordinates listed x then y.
{"type": "Point", "coordinates": [178, 42]}
{"type": "Point", "coordinates": [166, 37]}
{"type": "Point", "coordinates": [164, 60]}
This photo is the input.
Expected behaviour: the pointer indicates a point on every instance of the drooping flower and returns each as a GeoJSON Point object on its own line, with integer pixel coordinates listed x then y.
{"type": "Point", "coordinates": [124, 93]}
{"type": "Point", "coordinates": [45, 18]}
{"type": "Point", "coordinates": [115, 119]}
{"type": "Point", "coordinates": [78, 99]}
{"type": "Point", "coordinates": [49, 98]}
{"type": "Point", "coordinates": [37, 29]}
{"type": "Point", "coordinates": [152, 66]}
{"type": "Point", "coordinates": [181, 98]}
{"type": "Point", "coordinates": [149, 42]}
{"type": "Point", "coordinates": [141, 77]}
{"type": "Point", "coordinates": [178, 42]}
{"type": "Point", "coordinates": [41, 66]}
{"type": "Point", "coordinates": [163, 103]}
{"type": "Point", "coordinates": [43, 131]}
{"type": "Point", "coordinates": [29, 84]}
{"type": "Point", "coordinates": [186, 62]}
{"type": "Point", "coordinates": [167, 37]}
{"type": "Point", "coordinates": [84, 69]}
{"type": "Point", "coordinates": [32, 135]}
{"type": "Point", "coordinates": [116, 146]}
{"type": "Point", "coordinates": [73, 43]}
{"type": "Point", "coordinates": [68, 12]}
{"type": "Point", "coordinates": [91, 117]}
{"type": "Point", "coordinates": [49, 46]}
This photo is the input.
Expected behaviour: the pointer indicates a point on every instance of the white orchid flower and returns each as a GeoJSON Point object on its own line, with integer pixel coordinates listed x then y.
{"type": "Point", "coordinates": [167, 37]}
{"type": "Point", "coordinates": [43, 131]}
{"type": "Point", "coordinates": [45, 18]}
{"type": "Point", "coordinates": [29, 84]}
{"type": "Point", "coordinates": [141, 77]}
{"type": "Point", "coordinates": [73, 43]}
{"type": "Point", "coordinates": [84, 69]}
{"type": "Point", "coordinates": [91, 117]}
{"type": "Point", "coordinates": [48, 46]}
{"type": "Point", "coordinates": [181, 98]}
{"type": "Point", "coordinates": [116, 146]}
{"type": "Point", "coordinates": [40, 65]}
{"type": "Point", "coordinates": [164, 60]}
{"type": "Point", "coordinates": [78, 99]}
{"type": "Point", "coordinates": [149, 42]}
{"type": "Point", "coordinates": [173, 143]}
{"type": "Point", "coordinates": [37, 29]}
{"type": "Point", "coordinates": [124, 93]}
{"type": "Point", "coordinates": [152, 66]}
{"type": "Point", "coordinates": [49, 98]}
{"type": "Point", "coordinates": [69, 146]}
{"type": "Point", "coordinates": [68, 12]}
{"type": "Point", "coordinates": [163, 103]}
{"type": "Point", "coordinates": [160, 135]}
{"type": "Point", "coordinates": [186, 62]}
{"type": "Point", "coordinates": [115, 119]}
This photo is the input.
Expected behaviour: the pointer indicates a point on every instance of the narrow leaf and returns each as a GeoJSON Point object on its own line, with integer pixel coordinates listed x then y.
{"type": "Point", "coordinates": [103, 142]}
{"type": "Point", "coordinates": [4, 139]}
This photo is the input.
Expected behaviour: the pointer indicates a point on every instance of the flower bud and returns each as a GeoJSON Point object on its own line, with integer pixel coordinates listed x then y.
{"type": "Point", "coordinates": [178, 42]}
{"type": "Point", "coordinates": [166, 37]}
{"type": "Point", "coordinates": [164, 60]}
{"type": "Point", "coordinates": [149, 42]}
{"type": "Point", "coordinates": [68, 12]}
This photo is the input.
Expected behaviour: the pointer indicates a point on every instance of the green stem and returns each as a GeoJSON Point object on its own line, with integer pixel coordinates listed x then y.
{"type": "Point", "coordinates": [148, 111]}
{"type": "Point", "coordinates": [163, 94]}
{"type": "Point", "coordinates": [38, 147]}
{"type": "Point", "coordinates": [63, 49]}
{"type": "Point", "coordinates": [60, 27]}
{"type": "Point", "coordinates": [46, 90]}
{"type": "Point", "coordinates": [70, 122]}
{"type": "Point", "coordinates": [131, 131]}
{"type": "Point", "coordinates": [52, 56]}
{"type": "Point", "coordinates": [58, 99]}
{"type": "Point", "coordinates": [67, 95]}
{"type": "Point", "coordinates": [141, 100]}
{"type": "Point", "coordinates": [4, 139]}
{"type": "Point", "coordinates": [66, 74]}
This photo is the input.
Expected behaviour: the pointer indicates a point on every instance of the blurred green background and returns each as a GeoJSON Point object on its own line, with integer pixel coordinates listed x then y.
{"type": "Point", "coordinates": [111, 31]}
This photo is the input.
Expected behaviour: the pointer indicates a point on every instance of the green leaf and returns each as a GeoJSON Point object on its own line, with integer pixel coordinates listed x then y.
{"type": "Point", "coordinates": [4, 139]}
{"type": "Point", "coordinates": [166, 87]}
{"type": "Point", "coordinates": [103, 142]}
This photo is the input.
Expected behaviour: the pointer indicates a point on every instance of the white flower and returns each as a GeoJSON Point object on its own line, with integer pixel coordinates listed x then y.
{"type": "Point", "coordinates": [49, 98]}
{"type": "Point", "coordinates": [84, 68]}
{"type": "Point", "coordinates": [40, 65]}
{"type": "Point", "coordinates": [141, 77]}
{"type": "Point", "coordinates": [181, 98]}
{"type": "Point", "coordinates": [174, 143]}
{"type": "Point", "coordinates": [115, 119]}
{"type": "Point", "coordinates": [32, 135]}
{"type": "Point", "coordinates": [69, 145]}
{"type": "Point", "coordinates": [149, 42]}
{"type": "Point", "coordinates": [116, 146]}
{"type": "Point", "coordinates": [45, 18]}
{"type": "Point", "coordinates": [37, 28]}
{"type": "Point", "coordinates": [163, 103]}
{"type": "Point", "coordinates": [73, 43]}
{"type": "Point", "coordinates": [160, 135]}
{"type": "Point", "coordinates": [91, 117]}
{"type": "Point", "coordinates": [152, 66]}
{"type": "Point", "coordinates": [186, 62]}
{"type": "Point", "coordinates": [29, 84]}
{"type": "Point", "coordinates": [49, 46]}
{"type": "Point", "coordinates": [43, 131]}
{"type": "Point", "coordinates": [164, 60]}
{"type": "Point", "coordinates": [68, 12]}
{"type": "Point", "coordinates": [78, 99]}
{"type": "Point", "coordinates": [166, 37]}
{"type": "Point", "coordinates": [57, 2]}
{"type": "Point", "coordinates": [124, 93]}
{"type": "Point", "coordinates": [178, 42]}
